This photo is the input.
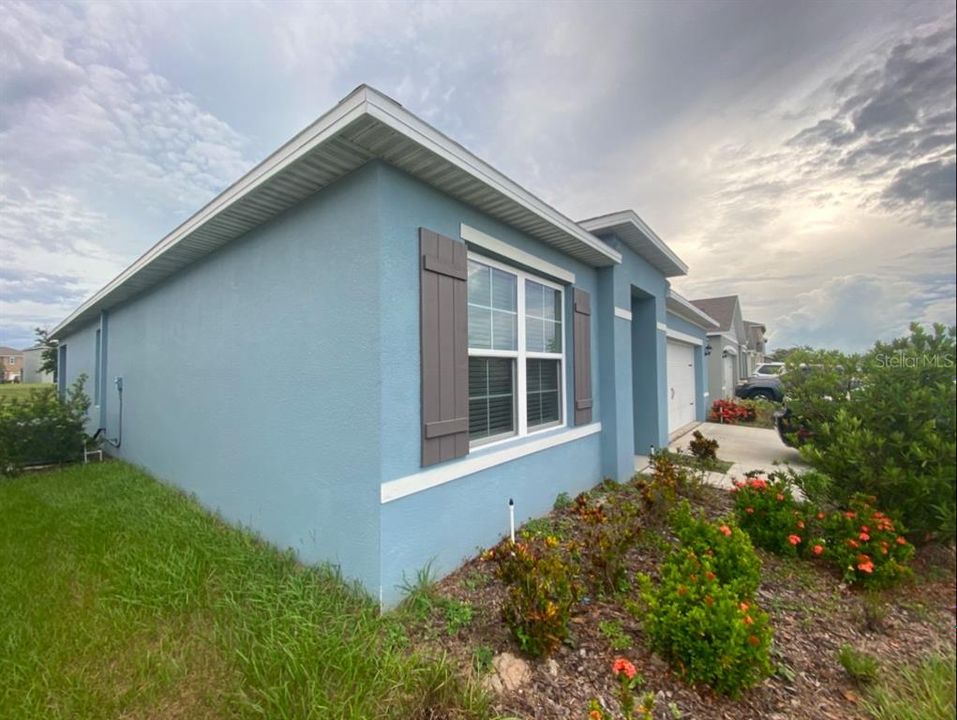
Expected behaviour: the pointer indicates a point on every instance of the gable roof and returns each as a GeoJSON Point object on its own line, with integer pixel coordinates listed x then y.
{"type": "Point", "coordinates": [364, 125]}
{"type": "Point", "coordinates": [640, 238]}
{"type": "Point", "coordinates": [5, 350]}
{"type": "Point", "coordinates": [719, 308]}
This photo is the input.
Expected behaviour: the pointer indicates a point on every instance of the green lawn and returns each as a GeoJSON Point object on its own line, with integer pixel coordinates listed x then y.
{"type": "Point", "coordinates": [120, 597]}
{"type": "Point", "coordinates": [17, 390]}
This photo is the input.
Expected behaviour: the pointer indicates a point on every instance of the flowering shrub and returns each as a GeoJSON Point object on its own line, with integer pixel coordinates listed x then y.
{"type": "Point", "coordinates": [628, 682]}
{"type": "Point", "coordinates": [727, 547]}
{"type": "Point", "coordinates": [730, 412]}
{"type": "Point", "coordinates": [703, 448]}
{"type": "Point", "coordinates": [866, 544]}
{"type": "Point", "coordinates": [541, 592]}
{"type": "Point", "coordinates": [609, 531]}
{"type": "Point", "coordinates": [705, 628]}
{"type": "Point", "coordinates": [767, 510]}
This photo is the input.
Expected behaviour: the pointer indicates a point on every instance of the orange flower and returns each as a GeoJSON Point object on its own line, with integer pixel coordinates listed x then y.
{"type": "Point", "coordinates": [850, 514]}
{"type": "Point", "coordinates": [865, 564]}
{"type": "Point", "coordinates": [753, 639]}
{"type": "Point", "coordinates": [780, 497]}
{"type": "Point", "coordinates": [817, 549]}
{"type": "Point", "coordinates": [744, 607]}
{"type": "Point", "coordinates": [800, 524]}
{"type": "Point", "coordinates": [820, 516]}
{"type": "Point", "coordinates": [748, 620]}
{"type": "Point", "coordinates": [853, 543]}
{"type": "Point", "coordinates": [682, 591]}
{"type": "Point", "coordinates": [725, 530]}
{"type": "Point", "coordinates": [794, 539]}
{"type": "Point", "coordinates": [595, 715]}
{"type": "Point", "coordinates": [710, 576]}
{"type": "Point", "coordinates": [623, 666]}
{"type": "Point", "coordinates": [709, 601]}
{"type": "Point", "coordinates": [749, 511]}
{"type": "Point", "coordinates": [901, 540]}
{"type": "Point", "coordinates": [864, 537]}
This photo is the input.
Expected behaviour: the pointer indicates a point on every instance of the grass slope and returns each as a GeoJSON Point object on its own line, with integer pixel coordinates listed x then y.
{"type": "Point", "coordinates": [122, 598]}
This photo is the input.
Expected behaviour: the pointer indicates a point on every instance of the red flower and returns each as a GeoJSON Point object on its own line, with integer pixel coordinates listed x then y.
{"type": "Point", "coordinates": [850, 514]}
{"type": "Point", "coordinates": [794, 539]}
{"type": "Point", "coordinates": [864, 528]}
{"type": "Point", "coordinates": [623, 666]}
{"type": "Point", "coordinates": [865, 564]}
{"type": "Point", "coordinates": [817, 549]}
{"type": "Point", "coordinates": [725, 530]}
{"type": "Point", "coordinates": [864, 537]}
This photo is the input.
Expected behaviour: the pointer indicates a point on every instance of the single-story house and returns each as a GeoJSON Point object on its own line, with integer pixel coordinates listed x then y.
{"type": "Point", "coordinates": [32, 359]}
{"type": "Point", "coordinates": [444, 343]}
{"type": "Point", "coordinates": [727, 361]}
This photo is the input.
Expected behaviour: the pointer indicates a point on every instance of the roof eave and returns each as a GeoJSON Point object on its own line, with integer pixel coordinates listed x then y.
{"type": "Point", "coordinates": [622, 224]}
{"type": "Point", "coordinates": [683, 307]}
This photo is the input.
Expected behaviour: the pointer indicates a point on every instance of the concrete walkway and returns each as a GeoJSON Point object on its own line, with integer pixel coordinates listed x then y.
{"type": "Point", "coordinates": [748, 448]}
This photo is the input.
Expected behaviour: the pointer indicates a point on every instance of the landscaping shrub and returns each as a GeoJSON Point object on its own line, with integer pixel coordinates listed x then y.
{"type": "Point", "coordinates": [703, 448]}
{"type": "Point", "coordinates": [42, 428]}
{"type": "Point", "coordinates": [609, 531]}
{"type": "Point", "coordinates": [866, 545]}
{"type": "Point", "coordinates": [768, 512]}
{"type": "Point", "coordinates": [541, 591]}
{"type": "Point", "coordinates": [730, 412]}
{"type": "Point", "coordinates": [727, 547]}
{"type": "Point", "coordinates": [885, 424]}
{"type": "Point", "coordinates": [704, 627]}
{"type": "Point", "coordinates": [760, 410]}
{"type": "Point", "coordinates": [667, 481]}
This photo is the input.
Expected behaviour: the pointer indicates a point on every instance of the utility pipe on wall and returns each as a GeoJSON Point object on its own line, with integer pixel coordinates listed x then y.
{"type": "Point", "coordinates": [511, 520]}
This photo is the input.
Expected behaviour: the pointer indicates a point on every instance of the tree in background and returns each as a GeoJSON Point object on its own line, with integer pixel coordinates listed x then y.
{"type": "Point", "coordinates": [885, 424]}
{"type": "Point", "coordinates": [48, 357]}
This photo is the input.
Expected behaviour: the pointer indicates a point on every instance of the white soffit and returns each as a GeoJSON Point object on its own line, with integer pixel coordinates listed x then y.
{"type": "Point", "coordinates": [684, 308]}
{"type": "Point", "coordinates": [364, 125]}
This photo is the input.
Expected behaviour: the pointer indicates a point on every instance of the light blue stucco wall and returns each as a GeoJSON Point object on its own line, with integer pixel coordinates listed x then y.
{"type": "Point", "coordinates": [702, 393]}
{"type": "Point", "coordinates": [252, 378]}
{"type": "Point", "coordinates": [445, 524]}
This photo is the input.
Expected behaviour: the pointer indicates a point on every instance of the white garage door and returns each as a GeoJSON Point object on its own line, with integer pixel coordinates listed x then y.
{"type": "Point", "coordinates": [729, 375]}
{"type": "Point", "coordinates": [681, 385]}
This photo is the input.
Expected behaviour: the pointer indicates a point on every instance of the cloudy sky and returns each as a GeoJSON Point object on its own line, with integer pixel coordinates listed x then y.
{"type": "Point", "coordinates": [801, 155]}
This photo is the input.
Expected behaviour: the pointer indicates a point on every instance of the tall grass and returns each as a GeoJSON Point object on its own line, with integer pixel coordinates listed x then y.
{"type": "Point", "coordinates": [122, 597]}
{"type": "Point", "coordinates": [924, 691]}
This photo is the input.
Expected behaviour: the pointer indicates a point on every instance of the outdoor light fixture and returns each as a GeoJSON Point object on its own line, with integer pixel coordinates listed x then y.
{"type": "Point", "coordinates": [707, 349]}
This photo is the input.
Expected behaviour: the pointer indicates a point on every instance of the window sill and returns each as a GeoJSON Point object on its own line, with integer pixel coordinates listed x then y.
{"type": "Point", "coordinates": [482, 459]}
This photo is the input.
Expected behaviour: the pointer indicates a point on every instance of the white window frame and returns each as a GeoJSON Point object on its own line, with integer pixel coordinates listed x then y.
{"type": "Point", "coordinates": [521, 355]}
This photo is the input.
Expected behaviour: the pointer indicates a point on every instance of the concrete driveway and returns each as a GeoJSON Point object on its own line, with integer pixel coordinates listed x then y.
{"type": "Point", "coordinates": [749, 448]}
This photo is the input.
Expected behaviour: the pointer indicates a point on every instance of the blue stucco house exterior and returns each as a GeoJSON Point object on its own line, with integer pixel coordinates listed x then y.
{"type": "Point", "coordinates": [440, 341]}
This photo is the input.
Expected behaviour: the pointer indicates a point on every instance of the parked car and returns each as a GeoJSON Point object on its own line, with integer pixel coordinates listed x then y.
{"type": "Point", "coordinates": [761, 387]}
{"type": "Point", "coordinates": [768, 369]}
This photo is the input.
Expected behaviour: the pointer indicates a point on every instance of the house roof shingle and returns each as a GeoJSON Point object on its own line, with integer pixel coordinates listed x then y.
{"type": "Point", "coordinates": [719, 308]}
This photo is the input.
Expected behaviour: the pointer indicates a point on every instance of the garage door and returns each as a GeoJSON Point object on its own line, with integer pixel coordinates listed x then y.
{"type": "Point", "coordinates": [681, 385]}
{"type": "Point", "coordinates": [729, 375]}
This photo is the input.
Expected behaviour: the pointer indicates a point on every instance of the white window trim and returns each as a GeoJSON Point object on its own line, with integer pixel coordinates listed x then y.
{"type": "Point", "coordinates": [487, 242]}
{"type": "Point", "coordinates": [469, 465]}
{"type": "Point", "coordinates": [520, 355]}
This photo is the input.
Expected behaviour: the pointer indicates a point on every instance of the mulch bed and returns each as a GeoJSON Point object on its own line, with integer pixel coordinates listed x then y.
{"type": "Point", "coordinates": [811, 611]}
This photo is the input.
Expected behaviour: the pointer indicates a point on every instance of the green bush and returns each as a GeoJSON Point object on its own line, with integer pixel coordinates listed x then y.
{"type": "Point", "coordinates": [866, 545]}
{"type": "Point", "coordinates": [703, 448]}
{"type": "Point", "coordinates": [609, 531]}
{"type": "Point", "coordinates": [885, 424]}
{"type": "Point", "coordinates": [768, 512]}
{"type": "Point", "coordinates": [541, 591]}
{"type": "Point", "coordinates": [703, 627]}
{"type": "Point", "coordinates": [727, 547]}
{"type": "Point", "coordinates": [42, 428]}
{"type": "Point", "coordinates": [861, 666]}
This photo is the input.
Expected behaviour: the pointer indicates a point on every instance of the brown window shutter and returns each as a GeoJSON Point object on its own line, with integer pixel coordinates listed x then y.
{"type": "Point", "coordinates": [581, 337]}
{"type": "Point", "coordinates": [444, 336]}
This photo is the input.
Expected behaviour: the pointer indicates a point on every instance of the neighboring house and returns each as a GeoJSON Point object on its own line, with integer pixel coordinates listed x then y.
{"type": "Point", "coordinates": [11, 364]}
{"type": "Point", "coordinates": [449, 341]}
{"type": "Point", "coordinates": [756, 345]}
{"type": "Point", "coordinates": [727, 360]}
{"type": "Point", "coordinates": [32, 359]}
